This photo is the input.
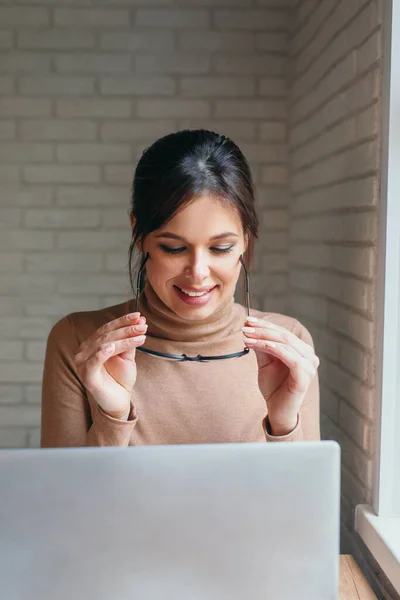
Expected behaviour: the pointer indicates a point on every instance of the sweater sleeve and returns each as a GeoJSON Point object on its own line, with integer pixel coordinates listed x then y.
{"type": "Point", "coordinates": [308, 423]}
{"type": "Point", "coordinates": [67, 418]}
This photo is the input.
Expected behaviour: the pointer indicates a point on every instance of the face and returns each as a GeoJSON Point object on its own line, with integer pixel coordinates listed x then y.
{"type": "Point", "coordinates": [194, 259]}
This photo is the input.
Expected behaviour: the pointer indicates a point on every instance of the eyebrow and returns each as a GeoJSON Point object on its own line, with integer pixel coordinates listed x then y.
{"type": "Point", "coordinates": [219, 236]}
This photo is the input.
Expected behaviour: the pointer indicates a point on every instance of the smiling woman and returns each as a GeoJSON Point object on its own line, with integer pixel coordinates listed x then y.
{"type": "Point", "coordinates": [194, 225]}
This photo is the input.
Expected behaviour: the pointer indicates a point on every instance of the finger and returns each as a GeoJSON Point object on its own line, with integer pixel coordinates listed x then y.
{"type": "Point", "coordinates": [129, 331]}
{"type": "Point", "coordinates": [266, 331]}
{"type": "Point", "coordinates": [287, 354]}
{"type": "Point", "coordinates": [125, 320]}
{"type": "Point", "coordinates": [95, 362]}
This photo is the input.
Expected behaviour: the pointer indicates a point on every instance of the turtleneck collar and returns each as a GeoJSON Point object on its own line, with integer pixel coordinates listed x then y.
{"type": "Point", "coordinates": [164, 324]}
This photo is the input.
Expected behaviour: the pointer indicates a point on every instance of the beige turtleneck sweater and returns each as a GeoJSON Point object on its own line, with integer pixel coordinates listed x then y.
{"type": "Point", "coordinates": [172, 402]}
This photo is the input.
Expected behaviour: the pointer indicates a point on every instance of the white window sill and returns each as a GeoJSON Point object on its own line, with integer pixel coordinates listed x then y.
{"type": "Point", "coordinates": [381, 535]}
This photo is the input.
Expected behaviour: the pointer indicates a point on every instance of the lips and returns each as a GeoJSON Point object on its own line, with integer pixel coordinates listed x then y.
{"type": "Point", "coordinates": [195, 297]}
{"type": "Point", "coordinates": [195, 292]}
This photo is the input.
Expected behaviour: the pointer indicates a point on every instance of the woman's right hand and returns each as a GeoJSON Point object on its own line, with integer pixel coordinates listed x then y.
{"type": "Point", "coordinates": [106, 363]}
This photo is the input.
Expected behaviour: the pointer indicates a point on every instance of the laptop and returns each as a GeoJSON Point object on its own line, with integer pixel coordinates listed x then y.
{"type": "Point", "coordinates": [248, 521]}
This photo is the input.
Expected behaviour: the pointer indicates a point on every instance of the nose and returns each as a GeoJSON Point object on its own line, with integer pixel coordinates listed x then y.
{"type": "Point", "coordinates": [198, 268]}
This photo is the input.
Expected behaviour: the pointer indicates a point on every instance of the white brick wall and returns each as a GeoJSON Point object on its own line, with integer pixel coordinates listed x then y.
{"type": "Point", "coordinates": [84, 88]}
{"type": "Point", "coordinates": [334, 143]}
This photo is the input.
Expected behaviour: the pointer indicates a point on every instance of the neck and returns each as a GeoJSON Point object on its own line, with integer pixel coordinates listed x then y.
{"type": "Point", "coordinates": [165, 324]}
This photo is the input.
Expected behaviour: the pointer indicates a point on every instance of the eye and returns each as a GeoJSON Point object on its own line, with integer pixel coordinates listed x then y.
{"type": "Point", "coordinates": [169, 250]}
{"type": "Point", "coordinates": [222, 250]}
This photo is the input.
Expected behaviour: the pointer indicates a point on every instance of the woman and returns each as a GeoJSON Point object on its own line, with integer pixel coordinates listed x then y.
{"type": "Point", "coordinates": [133, 374]}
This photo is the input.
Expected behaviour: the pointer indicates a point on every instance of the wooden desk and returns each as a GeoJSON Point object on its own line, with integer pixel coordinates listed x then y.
{"type": "Point", "coordinates": [352, 583]}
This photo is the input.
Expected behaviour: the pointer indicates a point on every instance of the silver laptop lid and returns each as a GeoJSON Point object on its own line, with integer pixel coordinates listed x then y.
{"type": "Point", "coordinates": [190, 522]}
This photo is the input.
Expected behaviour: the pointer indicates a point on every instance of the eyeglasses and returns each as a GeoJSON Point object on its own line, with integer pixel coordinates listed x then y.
{"type": "Point", "coordinates": [199, 357]}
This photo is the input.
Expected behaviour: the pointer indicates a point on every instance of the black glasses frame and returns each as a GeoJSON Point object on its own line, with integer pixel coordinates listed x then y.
{"type": "Point", "coordinates": [199, 357]}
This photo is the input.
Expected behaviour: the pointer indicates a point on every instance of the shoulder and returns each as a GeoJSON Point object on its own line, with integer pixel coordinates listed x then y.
{"type": "Point", "coordinates": [290, 323]}
{"type": "Point", "coordinates": [76, 327]}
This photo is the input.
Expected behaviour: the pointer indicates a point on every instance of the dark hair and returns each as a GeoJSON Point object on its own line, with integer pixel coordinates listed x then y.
{"type": "Point", "coordinates": [181, 166]}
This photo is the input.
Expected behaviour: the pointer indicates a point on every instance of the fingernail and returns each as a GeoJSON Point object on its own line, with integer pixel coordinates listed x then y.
{"type": "Point", "coordinates": [250, 341]}
{"type": "Point", "coordinates": [248, 329]}
{"type": "Point", "coordinates": [140, 338]}
{"type": "Point", "coordinates": [133, 316]}
{"type": "Point", "coordinates": [141, 328]}
{"type": "Point", "coordinates": [252, 320]}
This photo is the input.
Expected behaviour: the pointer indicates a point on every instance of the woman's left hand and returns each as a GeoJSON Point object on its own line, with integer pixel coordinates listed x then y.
{"type": "Point", "coordinates": [286, 367]}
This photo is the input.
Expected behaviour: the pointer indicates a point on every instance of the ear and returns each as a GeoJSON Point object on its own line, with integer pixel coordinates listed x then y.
{"type": "Point", "coordinates": [246, 242]}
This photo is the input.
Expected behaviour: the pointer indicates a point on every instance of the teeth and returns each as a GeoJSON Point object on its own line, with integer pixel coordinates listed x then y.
{"type": "Point", "coordinates": [194, 293]}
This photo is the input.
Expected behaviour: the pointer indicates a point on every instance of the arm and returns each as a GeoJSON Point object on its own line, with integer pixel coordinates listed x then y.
{"type": "Point", "coordinates": [67, 418]}
{"type": "Point", "coordinates": [308, 424]}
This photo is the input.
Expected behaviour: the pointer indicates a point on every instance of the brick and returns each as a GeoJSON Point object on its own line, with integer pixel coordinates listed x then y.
{"type": "Point", "coordinates": [33, 394]}
{"type": "Point", "coordinates": [217, 86]}
{"type": "Point", "coordinates": [356, 426]}
{"type": "Point", "coordinates": [24, 107]}
{"type": "Point", "coordinates": [272, 196]}
{"type": "Point", "coordinates": [26, 283]}
{"type": "Point", "coordinates": [261, 109]}
{"type": "Point", "coordinates": [6, 39]}
{"type": "Point", "coordinates": [172, 108]}
{"type": "Point", "coordinates": [24, 328]}
{"type": "Point", "coordinates": [11, 393]}
{"type": "Point", "coordinates": [116, 262]}
{"type": "Point", "coordinates": [138, 86]}
{"type": "Point", "coordinates": [171, 64]}
{"type": "Point", "coordinates": [62, 174]}
{"type": "Point", "coordinates": [136, 130]}
{"type": "Point", "coordinates": [56, 86]}
{"type": "Point", "coordinates": [312, 308]}
{"type": "Point", "coordinates": [93, 153]}
{"type": "Point", "coordinates": [13, 16]}
{"type": "Point", "coordinates": [91, 17]}
{"type": "Point", "coordinates": [272, 42]}
{"type": "Point", "coordinates": [95, 284]}
{"type": "Point", "coordinates": [11, 350]}
{"type": "Point", "coordinates": [305, 34]}
{"type": "Point", "coordinates": [251, 65]}
{"type": "Point", "coordinates": [91, 240]}
{"type": "Point", "coordinates": [368, 122]}
{"type": "Point", "coordinates": [55, 129]}
{"type": "Point", "coordinates": [9, 174]}
{"type": "Point", "coordinates": [370, 52]}
{"type": "Point", "coordinates": [18, 195]}
{"type": "Point", "coordinates": [55, 39]}
{"type": "Point", "coordinates": [7, 85]}
{"type": "Point", "coordinates": [336, 138]}
{"type": "Point", "coordinates": [216, 41]}
{"type": "Point", "coordinates": [61, 262]}
{"type": "Point", "coordinates": [58, 306]}
{"type": "Point", "coordinates": [359, 396]}
{"type": "Point", "coordinates": [23, 416]}
{"type": "Point", "coordinates": [35, 351]}
{"type": "Point", "coordinates": [61, 219]}
{"type": "Point", "coordinates": [80, 62]}
{"type": "Point", "coordinates": [85, 108]}
{"type": "Point", "coordinates": [350, 194]}
{"type": "Point", "coordinates": [273, 131]}
{"type": "Point", "coordinates": [12, 306]}
{"type": "Point", "coordinates": [357, 361]}
{"type": "Point", "coordinates": [273, 87]}
{"type": "Point", "coordinates": [7, 130]}
{"type": "Point", "coordinates": [308, 255]}
{"type": "Point", "coordinates": [252, 20]}
{"type": "Point", "coordinates": [12, 437]}
{"type": "Point", "coordinates": [264, 153]}
{"type": "Point", "coordinates": [82, 196]}
{"type": "Point", "coordinates": [21, 152]}
{"type": "Point", "coordinates": [356, 327]}
{"type": "Point", "coordinates": [275, 241]}
{"type": "Point", "coordinates": [274, 263]}
{"type": "Point", "coordinates": [24, 62]}
{"type": "Point", "coordinates": [359, 295]}
{"type": "Point", "coordinates": [355, 261]}
{"type": "Point", "coordinates": [274, 175]}
{"type": "Point", "coordinates": [171, 18]}
{"type": "Point", "coordinates": [34, 438]}
{"type": "Point", "coordinates": [119, 174]}
{"type": "Point", "coordinates": [136, 41]}
{"type": "Point", "coordinates": [11, 262]}
{"type": "Point", "coordinates": [329, 403]}
{"type": "Point", "coordinates": [10, 217]}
